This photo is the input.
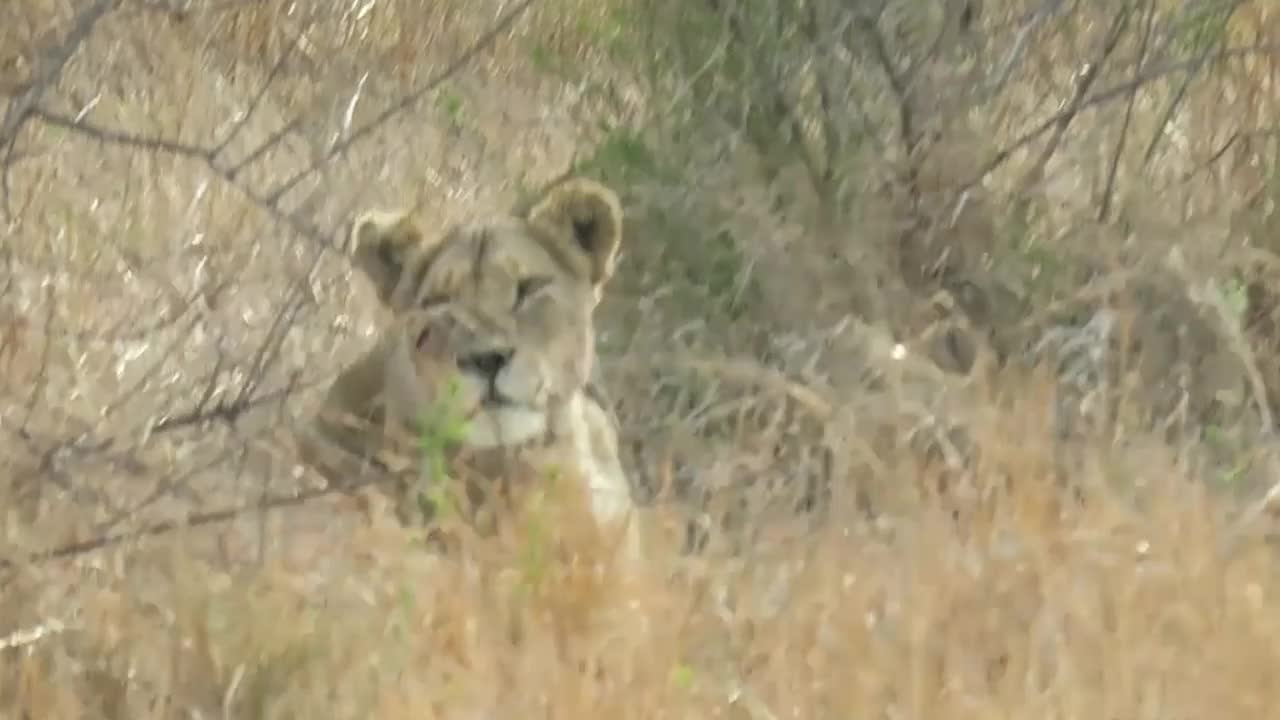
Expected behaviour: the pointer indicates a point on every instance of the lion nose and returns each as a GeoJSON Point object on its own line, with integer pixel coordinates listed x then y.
{"type": "Point", "coordinates": [487, 364]}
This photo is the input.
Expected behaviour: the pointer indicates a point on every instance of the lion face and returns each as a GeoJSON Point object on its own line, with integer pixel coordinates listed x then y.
{"type": "Point", "coordinates": [493, 319]}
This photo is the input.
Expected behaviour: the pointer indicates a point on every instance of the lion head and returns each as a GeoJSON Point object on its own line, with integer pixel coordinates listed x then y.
{"type": "Point", "coordinates": [494, 317]}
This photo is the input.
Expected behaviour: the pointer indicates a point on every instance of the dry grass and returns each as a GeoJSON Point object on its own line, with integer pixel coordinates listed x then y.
{"type": "Point", "coordinates": [163, 315]}
{"type": "Point", "coordinates": [1120, 606]}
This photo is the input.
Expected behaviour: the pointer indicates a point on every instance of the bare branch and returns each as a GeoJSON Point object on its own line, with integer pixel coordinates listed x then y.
{"type": "Point", "coordinates": [1104, 96]}
{"type": "Point", "coordinates": [1018, 51]}
{"type": "Point", "coordinates": [270, 348]}
{"type": "Point", "coordinates": [224, 411]}
{"type": "Point", "coordinates": [46, 351]}
{"type": "Point", "coordinates": [1083, 84]}
{"type": "Point", "coordinates": [1180, 94]}
{"type": "Point", "coordinates": [782, 113]}
{"type": "Point", "coordinates": [1174, 103]}
{"type": "Point", "coordinates": [907, 132]}
{"type": "Point", "coordinates": [1216, 155]}
{"type": "Point", "coordinates": [213, 517]}
{"type": "Point", "coordinates": [204, 155]}
{"type": "Point", "coordinates": [272, 140]}
{"type": "Point", "coordinates": [247, 115]}
{"type": "Point", "coordinates": [47, 71]}
{"type": "Point", "coordinates": [49, 68]}
{"type": "Point", "coordinates": [163, 487]}
{"type": "Point", "coordinates": [408, 101]}
{"type": "Point", "coordinates": [120, 137]}
{"type": "Point", "coordinates": [1104, 207]}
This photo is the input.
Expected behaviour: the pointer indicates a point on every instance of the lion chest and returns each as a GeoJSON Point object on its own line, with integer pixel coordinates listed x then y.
{"type": "Point", "coordinates": [588, 445]}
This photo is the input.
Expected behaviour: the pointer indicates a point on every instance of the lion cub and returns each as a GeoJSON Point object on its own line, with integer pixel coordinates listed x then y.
{"type": "Point", "coordinates": [491, 321]}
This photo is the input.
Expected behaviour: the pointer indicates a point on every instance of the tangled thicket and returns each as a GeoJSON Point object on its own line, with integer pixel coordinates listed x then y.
{"type": "Point", "coordinates": [943, 350]}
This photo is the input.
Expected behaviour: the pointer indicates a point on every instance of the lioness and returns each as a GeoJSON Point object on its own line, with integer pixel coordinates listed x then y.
{"type": "Point", "coordinates": [494, 320]}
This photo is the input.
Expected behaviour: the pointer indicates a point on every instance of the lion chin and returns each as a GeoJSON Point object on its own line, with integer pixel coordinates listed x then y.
{"type": "Point", "coordinates": [499, 423]}
{"type": "Point", "coordinates": [493, 320]}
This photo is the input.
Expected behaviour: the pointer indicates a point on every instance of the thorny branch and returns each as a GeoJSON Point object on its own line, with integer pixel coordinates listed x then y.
{"type": "Point", "coordinates": [207, 156]}
{"type": "Point", "coordinates": [1084, 84]}
{"type": "Point", "coordinates": [212, 407]}
{"type": "Point", "coordinates": [267, 501]}
{"type": "Point", "coordinates": [908, 133]}
{"type": "Point", "coordinates": [406, 102]}
{"type": "Point", "coordinates": [212, 517]}
{"type": "Point", "coordinates": [1216, 155]}
{"type": "Point", "coordinates": [48, 69]}
{"type": "Point", "coordinates": [778, 105]}
{"type": "Point", "coordinates": [238, 126]}
{"type": "Point", "coordinates": [1179, 95]}
{"type": "Point", "coordinates": [1104, 208]}
{"type": "Point", "coordinates": [212, 156]}
{"type": "Point", "coordinates": [1101, 97]}
{"type": "Point", "coordinates": [1033, 20]}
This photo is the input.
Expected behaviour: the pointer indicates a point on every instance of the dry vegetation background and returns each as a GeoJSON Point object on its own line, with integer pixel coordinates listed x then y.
{"type": "Point", "coordinates": [944, 349]}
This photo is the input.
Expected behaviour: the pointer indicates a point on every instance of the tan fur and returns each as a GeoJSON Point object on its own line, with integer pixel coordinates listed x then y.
{"type": "Point", "coordinates": [498, 312]}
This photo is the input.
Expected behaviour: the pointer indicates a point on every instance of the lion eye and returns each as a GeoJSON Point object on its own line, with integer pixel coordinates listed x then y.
{"type": "Point", "coordinates": [527, 287]}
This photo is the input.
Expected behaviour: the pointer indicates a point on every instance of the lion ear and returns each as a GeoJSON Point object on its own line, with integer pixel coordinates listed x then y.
{"type": "Point", "coordinates": [587, 216]}
{"type": "Point", "coordinates": [382, 244]}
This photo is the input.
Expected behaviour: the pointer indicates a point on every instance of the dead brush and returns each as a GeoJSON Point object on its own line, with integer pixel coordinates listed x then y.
{"type": "Point", "coordinates": [1027, 604]}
